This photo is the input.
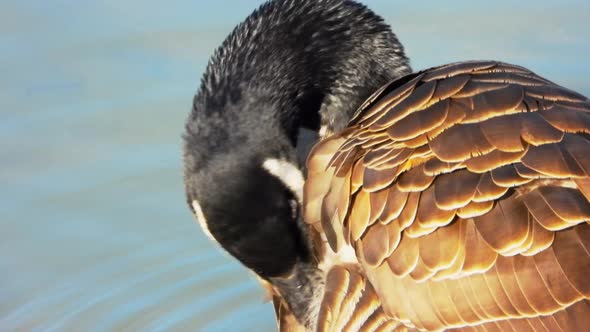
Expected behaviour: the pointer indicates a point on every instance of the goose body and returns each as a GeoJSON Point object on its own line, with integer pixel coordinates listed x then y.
{"type": "Point", "coordinates": [464, 191]}
{"type": "Point", "coordinates": [455, 198]}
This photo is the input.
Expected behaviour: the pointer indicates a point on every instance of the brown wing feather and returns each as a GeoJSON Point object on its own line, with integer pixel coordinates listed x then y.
{"type": "Point", "coordinates": [468, 203]}
{"type": "Point", "coordinates": [351, 304]}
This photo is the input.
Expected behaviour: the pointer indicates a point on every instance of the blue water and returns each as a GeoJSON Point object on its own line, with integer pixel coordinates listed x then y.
{"type": "Point", "coordinates": [94, 231]}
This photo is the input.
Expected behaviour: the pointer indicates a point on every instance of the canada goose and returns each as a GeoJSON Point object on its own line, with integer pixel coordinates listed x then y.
{"type": "Point", "coordinates": [453, 198]}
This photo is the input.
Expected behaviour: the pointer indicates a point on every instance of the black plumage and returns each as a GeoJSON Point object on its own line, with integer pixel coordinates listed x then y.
{"type": "Point", "coordinates": [291, 64]}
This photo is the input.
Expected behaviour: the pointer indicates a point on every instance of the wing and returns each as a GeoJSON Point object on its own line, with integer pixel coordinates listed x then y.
{"type": "Point", "coordinates": [464, 191]}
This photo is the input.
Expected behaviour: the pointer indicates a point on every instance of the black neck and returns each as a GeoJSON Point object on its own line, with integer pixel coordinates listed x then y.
{"type": "Point", "coordinates": [291, 64]}
{"type": "Point", "coordinates": [317, 60]}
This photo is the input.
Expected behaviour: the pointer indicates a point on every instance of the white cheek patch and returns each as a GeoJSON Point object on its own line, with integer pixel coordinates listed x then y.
{"type": "Point", "coordinates": [289, 174]}
{"type": "Point", "coordinates": [201, 220]}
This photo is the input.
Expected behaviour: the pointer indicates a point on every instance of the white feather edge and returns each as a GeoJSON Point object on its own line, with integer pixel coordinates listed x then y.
{"type": "Point", "coordinates": [202, 220]}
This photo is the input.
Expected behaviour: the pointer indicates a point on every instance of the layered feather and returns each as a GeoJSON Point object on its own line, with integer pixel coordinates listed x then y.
{"type": "Point", "coordinates": [465, 193]}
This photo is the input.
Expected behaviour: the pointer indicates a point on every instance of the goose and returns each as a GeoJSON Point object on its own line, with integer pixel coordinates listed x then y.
{"type": "Point", "coordinates": [454, 198]}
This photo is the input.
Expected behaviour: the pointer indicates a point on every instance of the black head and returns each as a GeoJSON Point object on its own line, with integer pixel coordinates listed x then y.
{"type": "Point", "coordinates": [247, 191]}
{"type": "Point", "coordinates": [292, 64]}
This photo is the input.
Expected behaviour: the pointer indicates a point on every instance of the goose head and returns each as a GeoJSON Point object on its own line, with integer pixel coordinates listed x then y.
{"type": "Point", "coordinates": [291, 65]}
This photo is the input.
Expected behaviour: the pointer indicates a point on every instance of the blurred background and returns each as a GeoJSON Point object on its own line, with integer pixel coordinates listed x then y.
{"type": "Point", "coordinates": [95, 234]}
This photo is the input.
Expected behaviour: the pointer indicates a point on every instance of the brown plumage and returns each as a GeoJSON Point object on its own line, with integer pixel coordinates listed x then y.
{"type": "Point", "coordinates": [464, 193]}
